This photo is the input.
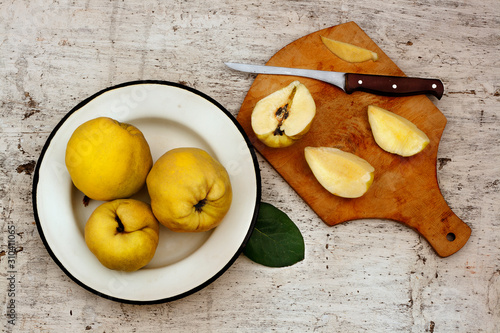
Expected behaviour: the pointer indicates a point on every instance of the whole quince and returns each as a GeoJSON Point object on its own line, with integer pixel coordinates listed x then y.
{"type": "Point", "coordinates": [107, 159]}
{"type": "Point", "coordinates": [190, 191]}
{"type": "Point", "coordinates": [123, 234]}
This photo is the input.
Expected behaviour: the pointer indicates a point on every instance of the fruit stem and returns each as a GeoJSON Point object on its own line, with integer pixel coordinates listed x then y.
{"type": "Point", "coordinates": [86, 200]}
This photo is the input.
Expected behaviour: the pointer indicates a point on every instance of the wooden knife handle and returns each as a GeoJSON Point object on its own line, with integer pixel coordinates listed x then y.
{"type": "Point", "coordinates": [393, 85]}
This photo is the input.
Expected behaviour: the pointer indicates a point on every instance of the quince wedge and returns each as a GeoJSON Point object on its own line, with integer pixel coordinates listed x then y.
{"type": "Point", "coordinates": [349, 52]}
{"type": "Point", "coordinates": [284, 116]}
{"type": "Point", "coordinates": [394, 133]}
{"type": "Point", "coordinates": [339, 172]}
{"type": "Point", "coordinates": [190, 190]}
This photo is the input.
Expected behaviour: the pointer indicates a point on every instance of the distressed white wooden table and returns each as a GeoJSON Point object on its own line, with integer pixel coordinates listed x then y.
{"type": "Point", "coordinates": [360, 276]}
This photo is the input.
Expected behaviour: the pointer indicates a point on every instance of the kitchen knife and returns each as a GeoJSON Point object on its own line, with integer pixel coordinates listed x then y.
{"type": "Point", "coordinates": [351, 82]}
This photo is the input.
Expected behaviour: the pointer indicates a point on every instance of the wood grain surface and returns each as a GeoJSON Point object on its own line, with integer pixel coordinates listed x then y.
{"type": "Point", "coordinates": [367, 275]}
{"type": "Point", "coordinates": [405, 189]}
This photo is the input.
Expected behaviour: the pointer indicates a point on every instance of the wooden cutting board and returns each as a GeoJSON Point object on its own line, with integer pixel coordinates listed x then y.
{"type": "Point", "coordinates": [405, 189]}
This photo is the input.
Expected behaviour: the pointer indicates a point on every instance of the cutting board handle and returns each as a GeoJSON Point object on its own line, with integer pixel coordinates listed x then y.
{"type": "Point", "coordinates": [437, 223]}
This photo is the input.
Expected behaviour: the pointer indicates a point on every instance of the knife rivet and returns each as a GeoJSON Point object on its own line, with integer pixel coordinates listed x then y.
{"type": "Point", "coordinates": [394, 86]}
{"type": "Point", "coordinates": [360, 81]}
{"type": "Point", "coordinates": [434, 86]}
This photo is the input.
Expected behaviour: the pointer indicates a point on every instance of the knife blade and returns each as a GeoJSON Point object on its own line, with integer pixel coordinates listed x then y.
{"type": "Point", "coordinates": [351, 82]}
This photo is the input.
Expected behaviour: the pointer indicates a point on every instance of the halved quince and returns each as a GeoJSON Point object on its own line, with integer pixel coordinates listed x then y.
{"type": "Point", "coordinates": [396, 134]}
{"type": "Point", "coordinates": [349, 52]}
{"type": "Point", "coordinates": [340, 173]}
{"type": "Point", "coordinates": [284, 116]}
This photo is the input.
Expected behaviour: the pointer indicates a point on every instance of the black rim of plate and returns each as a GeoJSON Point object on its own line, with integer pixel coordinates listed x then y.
{"type": "Point", "coordinates": [210, 280]}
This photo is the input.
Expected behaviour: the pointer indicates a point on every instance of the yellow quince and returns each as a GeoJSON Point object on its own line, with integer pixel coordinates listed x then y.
{"type": "Point", "coordinates": [190, 191]}
{"type": "Point", "coordinates": [107, 159]}
{"type": "Point", "coordinates": [123, 234]}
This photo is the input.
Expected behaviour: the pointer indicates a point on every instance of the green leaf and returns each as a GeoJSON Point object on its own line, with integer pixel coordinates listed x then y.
{"type": "Point", "coordinates": [276, 241]}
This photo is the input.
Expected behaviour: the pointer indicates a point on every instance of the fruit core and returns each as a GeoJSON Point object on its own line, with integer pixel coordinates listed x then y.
{"type": "Point", "coordinates": [283, 112]}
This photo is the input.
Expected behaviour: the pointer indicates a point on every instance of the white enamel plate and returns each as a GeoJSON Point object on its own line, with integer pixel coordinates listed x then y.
{"type": "Point", "coordinates": [170, 116]}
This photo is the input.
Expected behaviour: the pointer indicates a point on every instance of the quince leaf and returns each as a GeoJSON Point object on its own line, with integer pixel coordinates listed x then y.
{"type": "Point", "coordinates": [275, 241]}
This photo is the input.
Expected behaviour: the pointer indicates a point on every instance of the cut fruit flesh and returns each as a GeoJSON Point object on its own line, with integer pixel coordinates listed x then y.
{"type": "Point", "coordinates": [340, 173]}
{"type": "Point", "coordinates": [349, 52]}
{"type": "Point", "coordinates": [284, 116]}
{"type": "Point", "coordinates": [396, 134]}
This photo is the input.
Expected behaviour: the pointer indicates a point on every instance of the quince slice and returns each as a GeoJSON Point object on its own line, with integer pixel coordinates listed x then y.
{"type": "Point", "coordinates": [394, 133]}
{"type": "Point", "coordinates": [284, 116]}
{"type": "Point", "coordinates": [349, 52]}
{"type": "Point", "coordinates": [340, 173]}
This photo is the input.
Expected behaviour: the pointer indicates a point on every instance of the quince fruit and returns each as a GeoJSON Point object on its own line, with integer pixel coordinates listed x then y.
{"type": "Point", "coordinates": [123, 234]}
{"type": "Point", "coordinates": [190, 191]}
{"type": "Point", "coordinates": [107, 159]}
{"type": "Point", "coordinates": [340, 173]}
{"type": "Point", "coordinates": [284, 116]}
{"type": "Point", "coordinates": [396, 134]}
{"type": "Point", "coordinates": [349, 52]}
